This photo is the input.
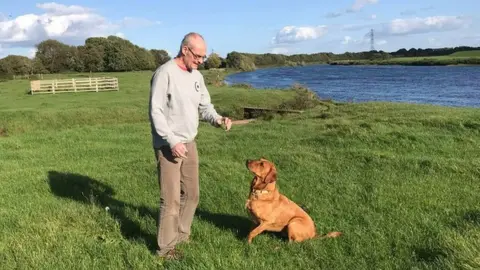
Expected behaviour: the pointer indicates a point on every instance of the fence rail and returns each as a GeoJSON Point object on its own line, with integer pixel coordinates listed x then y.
{"type": "Point", "coordinates": [91, 84]}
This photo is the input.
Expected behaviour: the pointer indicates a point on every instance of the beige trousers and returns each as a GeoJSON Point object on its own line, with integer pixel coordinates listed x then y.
{"type": "Point", "coordinates": [179, 195]}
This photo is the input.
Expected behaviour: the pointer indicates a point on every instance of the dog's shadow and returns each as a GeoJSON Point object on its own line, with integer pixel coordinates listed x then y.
{"type": "Point", "coordinates": [89, 191]}
{"type": "Point", "coordinates": [240, 226]}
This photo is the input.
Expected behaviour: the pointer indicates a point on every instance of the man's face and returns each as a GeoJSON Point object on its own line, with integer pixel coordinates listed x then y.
{"type": "Point", "coordinates": [194, 54]}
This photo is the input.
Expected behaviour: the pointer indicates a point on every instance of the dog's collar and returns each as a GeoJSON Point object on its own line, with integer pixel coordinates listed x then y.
{"type": "Point", "coordinates": [260, 191]}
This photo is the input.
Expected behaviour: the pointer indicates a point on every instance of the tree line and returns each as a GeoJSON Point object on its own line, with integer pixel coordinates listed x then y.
{"type": "Point", "coordinates": [98, 54]}
{"type": "Point", "coordinates": [115, 54]}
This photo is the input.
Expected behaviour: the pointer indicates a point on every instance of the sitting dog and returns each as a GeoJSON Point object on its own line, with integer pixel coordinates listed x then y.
{"type": "Point", "coordinates": [272, 211]}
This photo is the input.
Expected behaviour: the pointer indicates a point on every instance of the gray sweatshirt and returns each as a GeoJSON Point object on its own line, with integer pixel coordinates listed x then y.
{"type": "Point", "coordinates": [177, 97]}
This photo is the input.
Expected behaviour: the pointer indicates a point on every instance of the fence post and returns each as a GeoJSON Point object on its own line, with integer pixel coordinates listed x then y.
{"type": "Point", "coordinates": [74, 85]}
{"type": "Point", "coordinates": [53, 87]}
{"type": "Point", "coordinates": [96, 84]}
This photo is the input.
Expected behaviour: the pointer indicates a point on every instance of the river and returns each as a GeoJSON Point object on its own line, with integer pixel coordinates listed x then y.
{"type": "Point", "coordinates": [457, 86]}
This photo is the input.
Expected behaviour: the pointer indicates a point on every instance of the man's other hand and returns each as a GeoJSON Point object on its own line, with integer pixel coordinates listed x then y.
{"type": "Point", "coordinates": [179, 150]}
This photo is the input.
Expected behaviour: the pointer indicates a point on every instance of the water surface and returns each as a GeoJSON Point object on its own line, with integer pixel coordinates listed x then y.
{"type": "Point", "coordinates": [439, 85]}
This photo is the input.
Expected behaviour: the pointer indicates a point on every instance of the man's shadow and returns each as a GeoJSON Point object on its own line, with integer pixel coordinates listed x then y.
{"type": "Point", "coordinates": [89, 191]}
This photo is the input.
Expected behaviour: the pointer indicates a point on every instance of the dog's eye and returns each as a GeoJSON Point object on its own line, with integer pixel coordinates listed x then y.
{"type": "Point", "coordinates": [261, 163]}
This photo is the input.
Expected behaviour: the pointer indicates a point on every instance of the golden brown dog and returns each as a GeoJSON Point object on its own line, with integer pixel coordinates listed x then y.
{"type": "Point", "coordinates": [272, 211]}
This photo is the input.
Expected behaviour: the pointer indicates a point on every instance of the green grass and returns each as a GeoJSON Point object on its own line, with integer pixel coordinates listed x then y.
{"type": "Point", "coordinates": [475, 53]}
{"type": "Point", "coordinates": [400, 181]}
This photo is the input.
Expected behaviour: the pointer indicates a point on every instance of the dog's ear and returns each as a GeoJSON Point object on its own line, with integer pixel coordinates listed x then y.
{"type": "Point", "coordinates": [271, 176]}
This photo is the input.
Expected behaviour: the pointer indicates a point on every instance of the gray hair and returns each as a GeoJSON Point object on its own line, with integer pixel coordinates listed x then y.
{"type": "Point", "coordinates": [187, 39]}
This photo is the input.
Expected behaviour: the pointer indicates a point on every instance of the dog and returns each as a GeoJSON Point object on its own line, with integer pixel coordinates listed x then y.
{"type": "Point", "coordinates": [272, 211]}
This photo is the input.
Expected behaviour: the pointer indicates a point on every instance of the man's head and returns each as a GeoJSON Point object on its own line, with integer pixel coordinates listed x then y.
{"type": "Point", "coordinates": [192, 51]}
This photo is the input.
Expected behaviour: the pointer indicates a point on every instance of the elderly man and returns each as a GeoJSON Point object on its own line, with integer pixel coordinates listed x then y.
{"type": "Point", "coordinates": [178, 96]}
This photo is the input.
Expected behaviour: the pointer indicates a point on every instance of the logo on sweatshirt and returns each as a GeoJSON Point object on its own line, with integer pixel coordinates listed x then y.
{"type": "Point", "coordinates": [197, 86]}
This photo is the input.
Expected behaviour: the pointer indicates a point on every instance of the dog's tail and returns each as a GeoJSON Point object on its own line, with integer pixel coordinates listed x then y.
{"type": "Point", "coordinates": [329, 235]}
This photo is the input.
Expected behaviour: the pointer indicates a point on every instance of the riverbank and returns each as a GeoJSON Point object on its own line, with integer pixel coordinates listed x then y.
{"type": "Point", "coordinates": [415, 61]}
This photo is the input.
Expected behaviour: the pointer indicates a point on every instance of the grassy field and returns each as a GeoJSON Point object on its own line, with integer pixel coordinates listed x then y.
{"type": "Point", "coordinates": [79, 190]}
{"type": "Point", "coordinates": [458, 58]}
{"type": "Point", "coordinates": [466, 54]}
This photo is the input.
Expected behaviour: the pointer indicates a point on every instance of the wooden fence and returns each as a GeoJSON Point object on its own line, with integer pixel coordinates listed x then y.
{"type": "Point", "coordinates": [91, 84]}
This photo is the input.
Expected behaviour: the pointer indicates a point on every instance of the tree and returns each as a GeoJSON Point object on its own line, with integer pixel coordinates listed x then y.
{"type": "Point", "coordinates": [240, 61]}
{"type": "Point", "coordinates": [92, 57]}
{"type": "Point", "coordinates": [119, 55]}
{"type": "Point", "coordinates": [160, 56]}
{"type": "Point", "coordinates": [16, 65]}
{"type": "Point", "coordinates": [144, 59]}
{"type": "Point", "coordinates": [213, 61]}
{"type": "Point", "coordinates": [54, 55]}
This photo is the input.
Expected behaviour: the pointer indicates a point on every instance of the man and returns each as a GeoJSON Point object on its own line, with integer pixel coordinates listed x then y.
{"type": "Point", "coordinates": [178, 96]}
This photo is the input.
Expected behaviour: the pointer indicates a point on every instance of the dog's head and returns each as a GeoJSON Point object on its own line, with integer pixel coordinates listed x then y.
{"type": "Point", "coordinates": [264, 171]}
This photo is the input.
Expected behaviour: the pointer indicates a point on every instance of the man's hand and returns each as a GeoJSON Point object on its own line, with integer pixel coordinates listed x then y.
{"type": "Point", "coordinates": [226, 121]}
{"type": "Point", "coordinates": [179, 150]}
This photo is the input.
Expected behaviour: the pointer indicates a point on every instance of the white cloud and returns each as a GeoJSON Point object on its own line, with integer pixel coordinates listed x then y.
{"type": "Point", "coordinates": [434, 42]}
{"type": "Point", "coordinates": [399, 27]}
{"type": "Point", "coordinates": [380, 42]}
{"type": "Point", "coordinates": [334, 14]}
{"type": "Point", "coordinates": [120, 35]}
{"type": "Point", "coordinates": [69, 24]}
{"type": "Point", "coordinates": [355, 7]}
{"type": "Point", "coordinates": [346, 40]}
{"type": "Point", "coordinates": [355, 27]}
{"type": "Point", "coordinates": [279, 50]}
{"type": "Point", "coordinates": [359, 4]}
{"type": "Point", "coordinates": [424, 25]}
{"type": "Point", "coordinates": [59, 9]}
{"type": "Point", "coordinates": [32, 52]}
{"type": "Point", "coordinates": [413, 12]}
{"type": "Point", "coordinates": [292, 34]}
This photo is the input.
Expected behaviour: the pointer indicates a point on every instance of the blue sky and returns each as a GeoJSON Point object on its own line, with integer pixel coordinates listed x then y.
{"type": "Point", "coordinates": [261, 26]}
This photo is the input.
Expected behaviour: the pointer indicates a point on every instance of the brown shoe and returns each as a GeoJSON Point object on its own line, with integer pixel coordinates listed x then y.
{"type": "Point", "coordinates": [173, 254]}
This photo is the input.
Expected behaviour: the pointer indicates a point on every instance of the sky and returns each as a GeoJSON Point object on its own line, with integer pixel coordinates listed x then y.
{"type": "Point", "coordinates": [260, 26]}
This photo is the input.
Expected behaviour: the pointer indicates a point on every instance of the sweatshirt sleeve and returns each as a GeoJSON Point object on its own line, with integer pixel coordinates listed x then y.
{"type": "Point", "coordinates": [158, 101]}
{"type": "Point", "coordinates": [206, 108]}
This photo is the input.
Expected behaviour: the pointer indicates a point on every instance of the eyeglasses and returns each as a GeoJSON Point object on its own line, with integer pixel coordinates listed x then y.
{"type": "Point", "coordinates": [196, 56]}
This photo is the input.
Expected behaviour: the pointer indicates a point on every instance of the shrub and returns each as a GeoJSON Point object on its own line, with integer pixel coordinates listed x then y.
{"type": "Point", "coordinates": [304, 99]}
{"type": "Point", "coordinates": [242, 85]}
{"type": "Point", "coordinates": [213, 61]}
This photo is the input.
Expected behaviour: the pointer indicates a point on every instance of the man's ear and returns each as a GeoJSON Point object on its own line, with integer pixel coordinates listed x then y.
{"type": "Point", "coordinates": [271, 176]}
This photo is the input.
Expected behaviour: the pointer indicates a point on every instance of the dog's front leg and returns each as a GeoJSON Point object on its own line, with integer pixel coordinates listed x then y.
{"type": "Point", "coordinates": [258, 230]}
